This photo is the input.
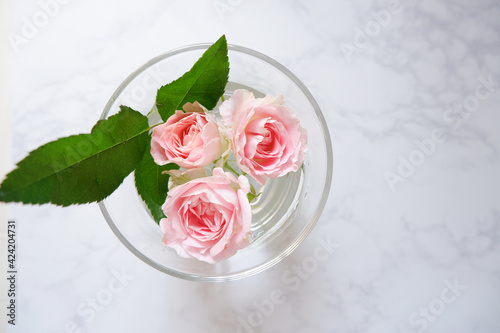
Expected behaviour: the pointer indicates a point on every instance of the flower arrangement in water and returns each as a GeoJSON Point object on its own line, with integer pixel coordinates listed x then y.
{"type": "Point", "coordinates": [195, 170]}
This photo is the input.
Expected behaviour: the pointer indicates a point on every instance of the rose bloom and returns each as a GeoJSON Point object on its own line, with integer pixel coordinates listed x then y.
{"type": "Point", "coordinates": [208, 218]}
{"type": "Point", "coordinates": [190, 140]}
{"type": "Point", "coordinates": [266, 136]}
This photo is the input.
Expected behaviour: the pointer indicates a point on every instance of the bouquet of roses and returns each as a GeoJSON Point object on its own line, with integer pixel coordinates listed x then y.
{"type": "Point", "coordinates": [195, 170]}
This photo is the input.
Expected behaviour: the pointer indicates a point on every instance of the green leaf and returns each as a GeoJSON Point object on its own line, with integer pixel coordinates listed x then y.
{"type": "Point", "coordinates": [204, 83]}
{"type": "Point", "coordinates": [251, 196]}
{"type": "Point", "coordinates": [80, 168]}
{"type": "Point", "coordinates": [151, 184]}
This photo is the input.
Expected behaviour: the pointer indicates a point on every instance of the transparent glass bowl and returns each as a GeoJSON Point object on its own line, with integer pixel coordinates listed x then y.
{"type": "Point", "coordinates": [282, 216]}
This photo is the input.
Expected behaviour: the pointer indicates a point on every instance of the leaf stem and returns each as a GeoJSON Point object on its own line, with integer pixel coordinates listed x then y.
{"type": "Point", "coordinates": [151, 112]}
{"type": "Point", "coordinates": [231, 169]}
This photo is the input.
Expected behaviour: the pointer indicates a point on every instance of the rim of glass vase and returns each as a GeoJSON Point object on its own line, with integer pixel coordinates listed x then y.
{"type": "Point", "coordinates": [305, 232]}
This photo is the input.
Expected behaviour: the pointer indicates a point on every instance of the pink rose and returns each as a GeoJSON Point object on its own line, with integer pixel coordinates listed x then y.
{"type": "Point", "coordinates": [208, 218]}
{"type": "Point", "coordinates": [266, 136]}
{"type": "Point", "coordinates": [190, 140]}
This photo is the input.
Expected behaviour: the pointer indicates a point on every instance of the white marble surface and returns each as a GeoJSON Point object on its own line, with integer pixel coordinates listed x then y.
{"type": "Point", "coordinates": [420, 255]}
